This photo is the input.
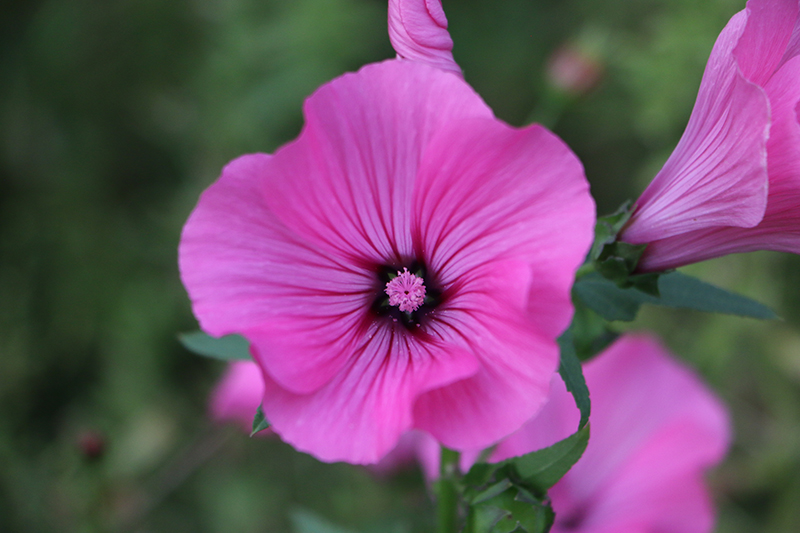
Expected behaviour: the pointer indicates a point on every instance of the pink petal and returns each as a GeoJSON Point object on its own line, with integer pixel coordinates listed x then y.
{"type": "Point", "coordinates": [780, 228]}
{"type": "Point", "coordinates": [793, 48]}
{"type": "Point", "coordinates": [238, 394]}
{"type": "Point", "coordinates": [488, 192]}
{"type": "Point", "coordinates": [717, 175]}
{"type": "Point", "coordinates": [678, 504]}
{"type": "Point", "coordinates": [761, 48]}
{"type": "Point", "coordinates": [346, 183]}
{"type": "Point", "coordinates": [516, 362]}
{"type": "Point", "coordinates": [418, 31]}
{"type": "Point", "coordinates": [360, 414]}
{"type": "Point", "coordinates": [241, 265]}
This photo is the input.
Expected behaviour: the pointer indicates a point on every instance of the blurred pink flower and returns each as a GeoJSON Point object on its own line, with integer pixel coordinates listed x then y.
{"type": "Point", "coordinates": [656, 429]}
{"type": "Point", "coordinates": [418, 31]}
{"type": "Point", "coordinates": [399, 165]}
{"type": "Point", "coordinates": [733, 182]}
{"type": "Point", "coordinates": [238, 394]}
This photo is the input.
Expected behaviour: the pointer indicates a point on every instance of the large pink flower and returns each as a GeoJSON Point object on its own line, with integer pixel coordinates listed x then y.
{"type": "Point", "coordinates": [733, 182]}
{"type": "Point", "coordinates": [418, 31]}
{"type": "Point", "coordinates": [656, 429]}
{"type": "Point", "coordinates": [399, 166]}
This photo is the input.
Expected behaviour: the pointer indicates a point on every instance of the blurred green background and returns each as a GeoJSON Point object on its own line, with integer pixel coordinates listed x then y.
{"type": "Point", "coordinates": [115, 115]}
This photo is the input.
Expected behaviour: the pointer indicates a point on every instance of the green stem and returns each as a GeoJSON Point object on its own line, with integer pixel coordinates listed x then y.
{"type": "Point", "coordinates": [447, 493]}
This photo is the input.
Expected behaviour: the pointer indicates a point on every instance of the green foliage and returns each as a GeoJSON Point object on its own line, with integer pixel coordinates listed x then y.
{"type": "Point", "coordinates": [572, 374]}
{"type": "Point", "coordinates": [260, 422]}
{"type": "Point", "coordinates": [676, 290]}
{"type": "Point", "coordinates": [227, 348]}
{"type": "Point", "coordinates": [512, 495]}
{"type": "Point", "coordinates": [307, 522]}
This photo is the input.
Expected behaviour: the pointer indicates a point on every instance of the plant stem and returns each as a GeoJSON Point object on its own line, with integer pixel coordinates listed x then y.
{"type": "Point", "coordinates": [447, 493]}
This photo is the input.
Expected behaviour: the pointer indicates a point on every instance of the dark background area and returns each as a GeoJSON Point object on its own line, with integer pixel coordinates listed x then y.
{"type": "Point", "coordinates": [115, 115]}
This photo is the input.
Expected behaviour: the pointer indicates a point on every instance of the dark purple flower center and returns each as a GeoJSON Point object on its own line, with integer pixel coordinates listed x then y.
{"type": "Point", "coordinates": [405, 294]}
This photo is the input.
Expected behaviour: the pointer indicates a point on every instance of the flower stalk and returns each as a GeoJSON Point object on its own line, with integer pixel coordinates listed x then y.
{"type": "Point", "coordinates": [447, 492]}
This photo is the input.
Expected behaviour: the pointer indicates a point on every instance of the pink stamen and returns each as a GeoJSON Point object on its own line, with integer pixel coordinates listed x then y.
{"type": "Point", "coordinates": [406, 291]}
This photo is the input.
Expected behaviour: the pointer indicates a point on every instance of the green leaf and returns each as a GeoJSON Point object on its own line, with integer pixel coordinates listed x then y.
{"type": "Point", "coordinates": [260, 422]}
{"type": "Point", "coordinates": [676, 290]}
{"type": "Point", "coordinates": [590, 332]}
{"type": "Point", "coordinates": [686, 292]}
{"type": "Point", "coordinates": [227, 348]}
{"type": "Point", "coordinates": [307, 522]}
{"type": "Point", "coordinates": [543, 468]}
{"type": "Point", "coordinates": [604, 297]}
{"type": "Point", "coordinates": [572, 374]}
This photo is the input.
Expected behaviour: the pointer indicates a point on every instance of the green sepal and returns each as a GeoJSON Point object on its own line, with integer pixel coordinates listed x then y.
{"type": "Point", "coordinates": [227, 348]}
{"type": "Point", "coordinates": [607, 228]}
{"type": "Point", "coordinates": [514, 509]}
{"type": "Point", "coordinates": [260, 422]}
{"type": "Point", "coordinates": [484, 518]}
{"type": "Point", "coordinates": [618, 260]}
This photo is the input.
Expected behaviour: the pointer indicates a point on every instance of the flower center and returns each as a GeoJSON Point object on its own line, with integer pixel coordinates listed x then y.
{"type": "Point", "coordinates": [406, 291]}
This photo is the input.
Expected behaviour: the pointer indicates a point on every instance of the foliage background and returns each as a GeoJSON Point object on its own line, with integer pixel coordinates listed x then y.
{"type": "Point", "coordinates": [115, 115]}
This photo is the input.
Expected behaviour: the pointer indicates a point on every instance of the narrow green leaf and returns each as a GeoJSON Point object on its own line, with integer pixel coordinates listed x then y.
{"type": "Point", "coordinates": [572, 374]}
{"type": "Point", "coordinates": [227, 348]}
{"type": "Point", "coordinates": [543, 468]}
{"type": "Point", "coordinates": [677, 290]}
{"type": "Point", "coordinates": [260, 422]}
{"type": "Point", "coordinates": [686, 292]}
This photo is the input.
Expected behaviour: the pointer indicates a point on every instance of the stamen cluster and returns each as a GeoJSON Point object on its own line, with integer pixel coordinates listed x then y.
{"type": "Point", "coordinates": [406, 291]}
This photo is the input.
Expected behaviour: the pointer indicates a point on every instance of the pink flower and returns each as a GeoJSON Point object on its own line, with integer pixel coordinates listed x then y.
{"type": "Point", "coordinates": [399, 166]}
{"type": "Point", "coordinates": [418, 31]}
{"type": "Point", "coordinates": [238, 394]}
{"type": "Point", "coordinates": [733, 182]}
{"type": "Point", "coordinates": [656, 428]}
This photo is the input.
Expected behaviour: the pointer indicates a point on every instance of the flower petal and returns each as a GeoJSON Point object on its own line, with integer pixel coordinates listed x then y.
{"type": "Point", "coordinates": [763, 43]}
{"type": "Point", "coordinates": [488, 192]}
{"type": "Point", "coordinates": [516, 362]}
{"type": "Point", "coordinates": [242, 267]}
{"type": "Point", "coordinates": [360, 414]}
{"type": "Point", "coordinates": [346, 183]}
{"type": "Point", "coordinates": [717, 175]}
{"type": "Point", "coordinates": [418, 31]}
{"type": "Point", "coordinates": [780, 228]}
